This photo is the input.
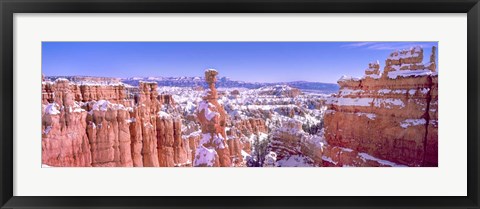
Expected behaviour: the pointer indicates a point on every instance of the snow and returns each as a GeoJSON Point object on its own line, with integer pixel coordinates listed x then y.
{"type": "Point", "coordinates": [261, 137]}
{"type": "Point", "coordinates": [218, 140]}
{"type": "Point", "coordinates": [347, 91]}
{"type": "Point", "coordinates": [270, 160]}
{"type": "Point", "coordinates": [316, 140]}
{"type": "Point", "coordinates": [388, 103]}
{"type": "Point", "coordinates": [211, 70]}
{"type": "Point", "coordinates": [61, 80]}
{"type": "Point", "coordinates": [52, 109]}
{"type": "Point", "coordinates": [365, 102]}
{"type": "Point", "coordinates": [77, 107]}
{"type": "Point", "coordinates": [205, 138]}
{"type": "Point", "coordinates": [164, 115]}
{"type": "Point", "coordinates": [148, 125]}
{"type": "Point", "coordinates": [348, 78]}
{"type": "Point", "coordinates": [245, 154]}
{"type": "Point", "coordinates": [100, 83]}
{"type": "Point", "coordinates": [295, 161]}
{"type": "Point", "coordinates": [399, 91]}
{"type": "Point", "coordinates": [203, 105]}
{"type": "Point", "coordinates": [384, 91]}
{"type": "Point", "coordinates": [46, 166]}
{"type": "Point", "coordinates": [412, 122]}
{"type": "Point", "coordinates": [408, 73]}
{"type": "Point", "coordinates": [366, 156]}
{"type": "Point", "coordinates": [374, 76]}
{"type": "Point", "coordinates": [101, 105]}
{"type": "Point", "coordinates": [328, 159]}
{"type": "Point", "coordinates": [371, 116]}
{"type": "Point", "coordinates": [276, 88]}
{"type": "Point", "coordinates": [204, 156]}
{"type": "Point", "coordinates": [185, 164]}
{"type": "Point", "coordinates": [47, 129]}
{"type": "Point", "coordinates": [412, 91]}
{"type": "Point", "coordinates": [425, 90]}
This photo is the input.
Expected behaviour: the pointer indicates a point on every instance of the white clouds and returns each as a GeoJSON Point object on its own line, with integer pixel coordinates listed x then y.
{"type": "Point", "coordinates": [357, 44]}
{"type": "Point", "coordinates": [388, 45]}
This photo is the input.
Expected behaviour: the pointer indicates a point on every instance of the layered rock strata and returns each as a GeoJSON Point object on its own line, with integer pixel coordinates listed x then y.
{"type": "Point", "coordinates": [88, 124]}
{"type": "Point", "coordinates": [213, 148]}
{"type": "Point", "coordinates": [295, 148]}
{"type": "Point", "coordinates": [391, 115]}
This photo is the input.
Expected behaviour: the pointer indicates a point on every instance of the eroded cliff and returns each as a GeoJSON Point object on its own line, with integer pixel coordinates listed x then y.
{"type": "Point", "coordinates": [91, 124]}
{"type": "Point", "coordinates": [391, 115]}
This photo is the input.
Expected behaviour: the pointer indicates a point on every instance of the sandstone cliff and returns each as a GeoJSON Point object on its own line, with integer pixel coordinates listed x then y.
{"type": "Point", "coordinates": [391, 115]}
{"type": "Point", "coordinates": [91, 124]}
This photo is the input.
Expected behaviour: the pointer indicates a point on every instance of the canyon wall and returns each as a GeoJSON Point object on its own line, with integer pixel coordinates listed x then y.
{"type": "Point", "coordinates": [103, 123]}
{"type": "Point", "coordinates": [88, 124]}
{"type": "Point", "coordinates": [391, 115]}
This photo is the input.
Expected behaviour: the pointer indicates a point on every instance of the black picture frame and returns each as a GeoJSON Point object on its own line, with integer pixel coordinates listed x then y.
{"type": "Point", "coordinates": [9, 7]}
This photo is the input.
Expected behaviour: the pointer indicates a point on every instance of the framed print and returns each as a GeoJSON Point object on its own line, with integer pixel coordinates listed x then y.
{"type": "Point", "coordinates": [245, 104]}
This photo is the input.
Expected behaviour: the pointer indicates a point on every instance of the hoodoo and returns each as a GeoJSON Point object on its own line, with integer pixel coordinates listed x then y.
{"type": "Point", "coordinates": [213, 148]}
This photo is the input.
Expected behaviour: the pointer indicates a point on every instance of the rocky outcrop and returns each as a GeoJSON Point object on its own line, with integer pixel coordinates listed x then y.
{"type": "Point", "coordinates": [64, 140]}
{"type": "Point", "coordinates": [334, 156]}
{"type": "Point", "coordinates": [295, 148]}
{"type": "Point", "coordinates": [248, 126]}
{"type": "Point", "coordinates": [90, 124]}
{"type": "Point", "coordinates": [85, 92]}
{"type": "Point", "coordinates": [213, 148]}
{"type": "Point", "coordinates": [109, 134]}
{"type": "Point", "coordinates": [390, 115]}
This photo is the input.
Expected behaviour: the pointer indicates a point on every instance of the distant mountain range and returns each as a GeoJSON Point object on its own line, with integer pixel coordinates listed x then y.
{"type": "Point", "coordinates": [223, 82]}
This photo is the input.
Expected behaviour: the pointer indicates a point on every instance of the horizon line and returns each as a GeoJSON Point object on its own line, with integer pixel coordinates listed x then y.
{"type": "Point", "coordinates": [187, 77]}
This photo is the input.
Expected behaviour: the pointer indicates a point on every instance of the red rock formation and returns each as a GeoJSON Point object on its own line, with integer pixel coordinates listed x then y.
{"type": "Point", "coordinates": [64, 140]}
{"type": "Point", "coordinates": [213, 148]}
{"type": "Point", "coordinates": [85, 92]}
{"type": "Point", "coordinates": [334, 156]}
{"type": "Point", "coordinates": [109, 134]}
{"type": "Point", "coordinates": [171, 147]}
{"type": "Point", "coordinates": [250, 126]}
{"type": "Point", "coordinates": [87, 124]}
{"type": "Point", "coordinates": [391, 116]}
{"type": "Point", "coordinates": [290, 141]}
{"type": "Point", "coordinates": [115, 93]}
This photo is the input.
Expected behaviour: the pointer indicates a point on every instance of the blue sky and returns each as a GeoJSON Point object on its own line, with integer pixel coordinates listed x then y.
{"type": "Point", "coordinates": [244, 61]}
